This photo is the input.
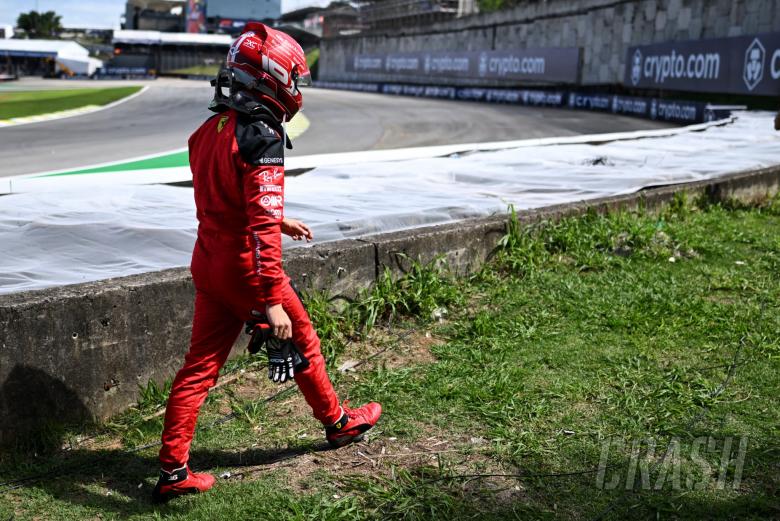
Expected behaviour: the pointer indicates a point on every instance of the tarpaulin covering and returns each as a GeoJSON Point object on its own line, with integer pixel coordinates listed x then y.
{"type": "Point", "coordinates": [61, 237]}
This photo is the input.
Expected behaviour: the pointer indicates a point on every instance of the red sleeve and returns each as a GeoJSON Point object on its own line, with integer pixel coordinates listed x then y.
{"type": "Point", "coordinates": [264, 198]}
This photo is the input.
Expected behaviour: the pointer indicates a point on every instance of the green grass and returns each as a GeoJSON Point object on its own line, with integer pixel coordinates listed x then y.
{"type": "Point", "coordinates": [612, 329]}
{"type": "Point", "coordinates": [173, 160]}
{"type": "Point", "coordinates": [33, 103]}
{"type": "Point", "coordinates": [313, 62]}
{"type": "Point", "coordinates": [197, 70]}
{"type": "Point", "coordinates": [312, 57]}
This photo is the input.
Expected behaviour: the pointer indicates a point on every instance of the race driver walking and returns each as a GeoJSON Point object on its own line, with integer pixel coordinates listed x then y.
{"type": "Point", "coordinates": [237, 161]}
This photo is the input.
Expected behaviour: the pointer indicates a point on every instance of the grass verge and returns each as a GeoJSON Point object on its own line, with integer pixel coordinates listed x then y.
{"type": "Point", "coordinates": [598, 368]}
{"type": "Point", "coordinates": [34, 103]}
{"type": "Point", "coordinates": [197, 70]}
{"type": "Point", "coordinates": [313, 62]}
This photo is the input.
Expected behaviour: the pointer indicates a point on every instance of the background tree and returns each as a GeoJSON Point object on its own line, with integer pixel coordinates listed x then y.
{"type": "Point", "coordinates": [40, 25]}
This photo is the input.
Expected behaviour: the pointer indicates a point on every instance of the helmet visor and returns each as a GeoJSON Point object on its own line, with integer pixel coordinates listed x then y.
{"type": "Point", "coordinates": [304, 80]}
{"type": "Point", "coordinates": [301, 80]}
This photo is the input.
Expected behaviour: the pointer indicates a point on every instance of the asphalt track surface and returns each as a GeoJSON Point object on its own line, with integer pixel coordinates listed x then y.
{"type": "Point", "coordinates": [162, 118]}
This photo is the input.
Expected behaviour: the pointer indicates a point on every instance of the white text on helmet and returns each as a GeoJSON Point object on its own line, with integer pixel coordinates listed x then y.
{"type": "Point", "coordinates": [275, 70]}
{"type": "Point", "coordinates": [236, 47]}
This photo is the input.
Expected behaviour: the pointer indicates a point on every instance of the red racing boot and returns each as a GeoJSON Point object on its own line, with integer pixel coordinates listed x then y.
{"type": "Point", "coordinates": [353, 424]}
{"type": "Point", "coordinates": [179, 482]}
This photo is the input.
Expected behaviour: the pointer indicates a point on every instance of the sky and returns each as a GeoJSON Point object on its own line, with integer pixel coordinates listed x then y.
{"type": "Point", "coordinates": [96, 14]}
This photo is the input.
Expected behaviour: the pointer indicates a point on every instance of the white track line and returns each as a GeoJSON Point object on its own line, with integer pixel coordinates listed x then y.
{"type": "Point", "coordinates": [66, 114]}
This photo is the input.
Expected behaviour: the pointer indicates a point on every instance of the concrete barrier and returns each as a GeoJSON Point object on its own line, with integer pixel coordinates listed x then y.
{"type": "Point", "coordinates": [463, 245]}
{"type": "Point", "coordinates": [603, 29]}
{"type": "Point", "coordinates": [80, 352]}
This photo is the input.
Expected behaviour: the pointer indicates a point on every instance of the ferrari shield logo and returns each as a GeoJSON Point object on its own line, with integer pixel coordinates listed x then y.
{"type": "Point", "coordinates": [222, 122]}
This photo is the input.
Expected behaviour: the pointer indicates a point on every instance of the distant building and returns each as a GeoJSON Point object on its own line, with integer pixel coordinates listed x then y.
{"type": "Point", "coordinates": [396, 14]}
{"type": "Point", "coordinates": [339, 18]}
{"type": "Point", "coordinates": [230, 16]}
{"type": "Point", "coordinates": [6, 32]}
{"type": "Point", "coordinates": [80, 34]}
{"type": "Point", "coordinates": [149, 53]}
{"type": "Point", "coordinates": [154, 15]}
{"type": "Point", "coordinates": [198, 16]}
{"type": "Point", "coordinates": [45, 58]}
{"type": "Point", "coordinates": [306, 19]}
{"type": "Point", "coordinates": [244, 9]}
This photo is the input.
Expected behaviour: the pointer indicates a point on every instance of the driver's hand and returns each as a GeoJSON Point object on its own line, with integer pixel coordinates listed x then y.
{"type": "Point", "coordinates": [296, 229]}
{"type": "Point", "coordinates": [281, 327]}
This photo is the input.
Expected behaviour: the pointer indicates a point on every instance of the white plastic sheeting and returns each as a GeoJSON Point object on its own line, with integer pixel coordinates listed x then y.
{"type": "Point", "coordinates": [122, 174]}
{"type": "Point", "coordinates": [60, 237]}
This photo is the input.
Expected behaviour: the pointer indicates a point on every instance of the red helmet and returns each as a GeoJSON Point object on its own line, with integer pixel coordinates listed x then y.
{"type": "Point", "coordinates": [264, 69]}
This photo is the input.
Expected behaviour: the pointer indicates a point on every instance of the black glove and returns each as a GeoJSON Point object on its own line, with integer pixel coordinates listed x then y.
{"type": "Point", "coordinates": [283, 357]}
{"type": "Point", "coordinates": [260, 332]}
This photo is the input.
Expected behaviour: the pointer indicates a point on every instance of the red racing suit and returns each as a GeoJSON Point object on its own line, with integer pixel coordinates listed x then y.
{"type": "Point", "coordinates": [238, 174]}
